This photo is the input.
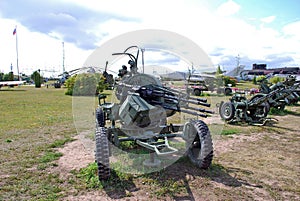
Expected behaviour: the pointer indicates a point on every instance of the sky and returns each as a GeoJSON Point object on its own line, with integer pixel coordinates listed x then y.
{"type": "Point", "coordinates": [254, 31]}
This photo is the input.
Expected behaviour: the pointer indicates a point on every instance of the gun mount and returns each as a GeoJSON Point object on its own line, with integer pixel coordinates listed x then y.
{"type": "Point", "coordinates": [141, 114]}
{"type": "Point", "coordinates": [239, 109]}
{"type": "Point", "coordinates": [255, 110]}
{"type": "Point", "coordinates": [289, 93]}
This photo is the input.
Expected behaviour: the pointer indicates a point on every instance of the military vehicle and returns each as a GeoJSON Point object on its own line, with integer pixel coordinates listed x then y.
{"type": "Point", "coordinates": [256, 109]}
{"type": "Point", "coordinates": [141, 114]}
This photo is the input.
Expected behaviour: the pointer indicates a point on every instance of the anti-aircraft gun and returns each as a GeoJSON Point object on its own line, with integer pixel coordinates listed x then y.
{"type": "Point", "coordinates": [289, 94]}
{"type": "Point", "coordinates": [293, 90]}
{"type": "Point", "coordinates": [141, 115]}
{"type": "Point", "coordinates": [255, 110]}
{"type": "Point", "coordinates": [240, 109]}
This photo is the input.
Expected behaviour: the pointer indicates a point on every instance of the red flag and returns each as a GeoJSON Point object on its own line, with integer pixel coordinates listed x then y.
{"type": "Point", "coordinates": [15, 31]}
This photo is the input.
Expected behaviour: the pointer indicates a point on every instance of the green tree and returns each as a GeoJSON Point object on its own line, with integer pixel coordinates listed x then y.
{"type": "Point", "coordinates": [229, 80]}
{"type": "Point", "coordinates": [219, 71]}
{"type": "Point", "coordinates": [259, 78]}
{"type": "Point", "coordinates": [37, 79]}
{"type": "Point", "coordinates": [1, 76]}
{"type": "Point", "coordinates": [5, 77]}
{"type": "Point", "coordinates": [254, 81]}
{"type": "Point", "coordinates": [102, 84]}
{"type": "Point", "coordinates": [10, 76]}
{"type": "Point", "coordinates": [85, 84]}
{"type": "Point", "coordinates": [70, 85]}
{"type": "Point", "coordinates": [276, 79]}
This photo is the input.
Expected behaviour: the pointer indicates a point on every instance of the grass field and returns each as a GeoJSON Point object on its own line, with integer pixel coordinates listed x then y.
{"type": "Point", "coordinates": [250, 163]}
{"type": "Point", "coordinates": [33, 122]}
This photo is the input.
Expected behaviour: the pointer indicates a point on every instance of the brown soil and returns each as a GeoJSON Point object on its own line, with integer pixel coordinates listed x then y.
{"type": "Point", "coordinates": [235, 180]}
{"type": "Point", "coordinates": [75, 155]}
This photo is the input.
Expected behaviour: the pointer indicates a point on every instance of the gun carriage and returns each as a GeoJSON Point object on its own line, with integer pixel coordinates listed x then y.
{"type": "Point", "coordinates": [141, 114]}
{"type": "Point", "coordinates": [289, 94]}
{"type": "Point", "coordinates": [256, 109]}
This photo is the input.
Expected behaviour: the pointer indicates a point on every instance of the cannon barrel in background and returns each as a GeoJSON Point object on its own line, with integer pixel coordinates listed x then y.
{"type": "Point", "coordinates": [257, 108]}
{"type": "Point", "coordinates": [287, 92]}
{"type": "Point", "coordinates": [193, 113]}
{"type": "Point", "coordinates": [196, 102]}
{"type": "Point", "coordinates": [170, 91]}
{"type": "Point", "coordinates": [198, 109]}
{"type": "Point", "coordinates": [282, 93]}
{"type": "Point", "coordinates": [204, 100]}
{"type": "Point", "coordinates": [260, 100]}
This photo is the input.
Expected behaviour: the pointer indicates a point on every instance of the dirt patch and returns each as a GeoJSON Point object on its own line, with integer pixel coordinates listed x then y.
{"type": "Point", "coordinates": [76, 154]}
{"type": "Point", "coordinates": [255, 166]}
{"type": "Point", "coordinates": [225, 144]}
{"type": "Point", "coordinates": [80, 152]}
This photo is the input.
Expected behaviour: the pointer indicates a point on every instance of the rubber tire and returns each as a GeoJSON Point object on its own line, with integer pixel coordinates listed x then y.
{"type": "Point", "coordinates": [220, 106]}
{"type": "Point", "coordinates": [197, 92]}
{"type": "Point", "coordinates": [102, 153]}
{"type": "Point", "coordinates": [100, 117]}
{"type": "Point", "coordinates": [200, 149]}
{"type": "Point", "coordinates": [227, 106]}
{"type": "Point", "coordinates": [227, 91]}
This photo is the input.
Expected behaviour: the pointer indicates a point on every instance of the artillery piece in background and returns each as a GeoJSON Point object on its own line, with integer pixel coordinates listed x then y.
{"type": "Point", "coordinates": [141, 114]}
{"type": "Point", "coordinates": [290, 95]}
{"type": "Point", "coordinates": [255, 110]}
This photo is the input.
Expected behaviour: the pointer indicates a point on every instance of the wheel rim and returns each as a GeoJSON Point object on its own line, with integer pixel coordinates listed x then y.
{"type": "Point", "coordinates": [227, 111]}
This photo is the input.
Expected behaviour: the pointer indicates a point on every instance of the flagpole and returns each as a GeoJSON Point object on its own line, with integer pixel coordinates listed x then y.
{"type": "Point", "coordinates": [17, 54]}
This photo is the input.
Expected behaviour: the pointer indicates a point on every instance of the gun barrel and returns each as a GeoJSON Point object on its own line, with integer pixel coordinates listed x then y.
{"type": "Point", "coordinates": [204, 100]}
{"type": "Point", "coordinates": [196, 102]}
{"type": "Point", "coordinates": [194, 113]}
{"type": "Point", "coordinates": [199, 99]}
{"type": "Point", "coordinates": [284, 94]}
{"type": "Point", "coordinates": [264, 98]}
{"type": "Point", "coordinates": [172, 97]}
{"type": "Point", "coordinates": [198, 109]}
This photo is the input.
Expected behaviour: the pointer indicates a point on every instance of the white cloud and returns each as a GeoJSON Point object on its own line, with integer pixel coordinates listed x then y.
{"type": "Point", "coordinates": [35, 51]}
{"type": "Point", "coordinates": [188, 18]}
{"type": "Point", "coordinates": [292, 29]}
{"type": "Point", "coordinates": [268, 19]}
{"type": "Point", "coordinates": [228, 8]}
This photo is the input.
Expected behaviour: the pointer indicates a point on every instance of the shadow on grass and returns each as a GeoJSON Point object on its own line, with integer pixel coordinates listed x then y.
{"type": "Point", "coordinates": [274, 127]}
{"type": "Point", "coordinates": [178, 181]}
{"type": "Point", "coordinates": [119, 185]}
{"type": "Point", "coordinates": [173, 181]}
{"type": "Point", "coordinates": [186, 173]}
{"type": "Point", "coordinates": [278, 112]}
{"type": "Point", "coordinates": [16, 90]}
{"type": "Point", "coordinates": [293, 113]}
